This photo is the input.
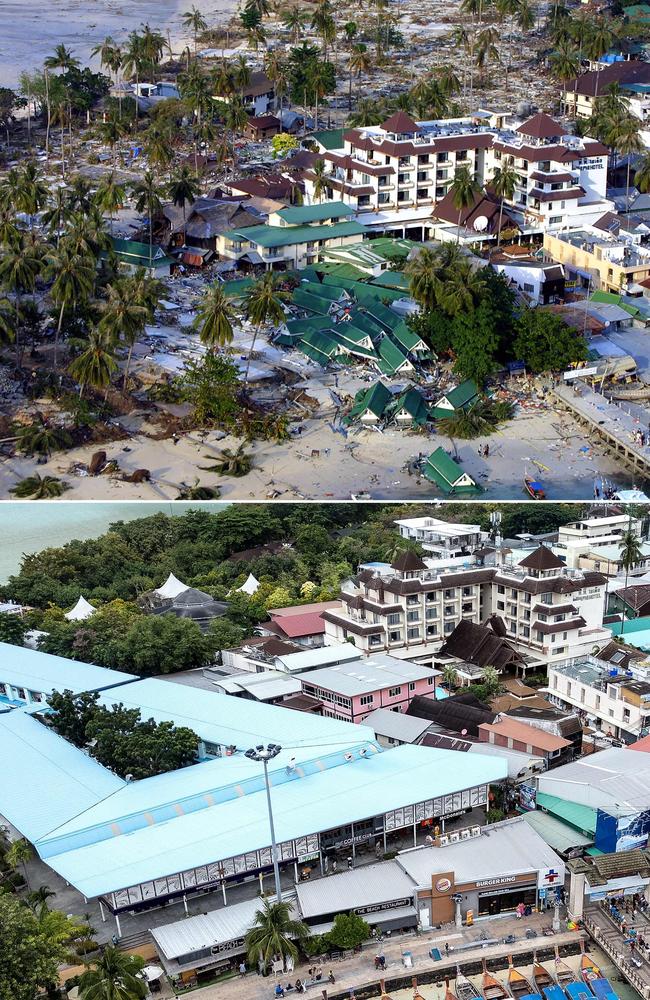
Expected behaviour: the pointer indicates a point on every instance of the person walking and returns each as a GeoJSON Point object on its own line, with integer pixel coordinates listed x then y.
{"type": "Point", "coordinates": [242, 969]}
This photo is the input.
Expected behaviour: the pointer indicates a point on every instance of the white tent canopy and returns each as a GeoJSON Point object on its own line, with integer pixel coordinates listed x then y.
{"type": "Point", "coordinates": [171, 587]}
{"type": "Point", "coordinates": [83, 609]}
{"type": "Point", "coordinates": [249, 586]}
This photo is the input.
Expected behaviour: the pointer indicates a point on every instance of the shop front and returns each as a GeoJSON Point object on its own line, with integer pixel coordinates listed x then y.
{"type": "Point", "coordinates": [483, 897]}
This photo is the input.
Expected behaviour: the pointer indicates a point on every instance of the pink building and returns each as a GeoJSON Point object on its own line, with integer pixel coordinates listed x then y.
{"type": "Point", "coordinates": [351, 691]}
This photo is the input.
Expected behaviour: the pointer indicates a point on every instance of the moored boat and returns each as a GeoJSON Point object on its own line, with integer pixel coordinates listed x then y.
{"type": "Point", "coordinates": [465, 989]}
{"type": "Point", "coordinates": [577, 991]}
{"type": "Point", "coordinates": [589, 970]}
{"type": "Point", "coordinates": [563, 973]}
{"type": "Point", "coordinates": [603, 989]}
{"type": "Point", "coordinates": [534, 488]}
{"type": "Point", "coordinates": [541, 976]}
{"type": "Point", "coordinates": [492, 989]}
{"type": "Point", "coordinates": [518, 985]}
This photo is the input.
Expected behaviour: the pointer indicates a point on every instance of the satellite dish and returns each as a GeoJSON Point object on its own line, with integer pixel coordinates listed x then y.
{"type": "Point", "coordinates": [480, 223]}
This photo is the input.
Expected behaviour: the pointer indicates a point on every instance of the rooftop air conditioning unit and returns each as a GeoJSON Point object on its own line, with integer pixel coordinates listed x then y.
{"type": "Point", "coordinates": [465, 835]}
{"type": "Point", "coordinates": [454, 837]}
{"type": "Point", "coordinates": [443, 840]}
{"type": "Point", "coordinates": [475, 831]}
{"type": "Point", "coordinates": [348, 756]}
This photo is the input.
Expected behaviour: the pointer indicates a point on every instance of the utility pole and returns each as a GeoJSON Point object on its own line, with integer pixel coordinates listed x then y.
{"type": "Point", "coordinates": [264, 755]}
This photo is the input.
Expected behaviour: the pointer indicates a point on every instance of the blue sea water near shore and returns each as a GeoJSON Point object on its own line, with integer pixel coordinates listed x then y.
{"type": "Point", "coordinates": [29, 527]}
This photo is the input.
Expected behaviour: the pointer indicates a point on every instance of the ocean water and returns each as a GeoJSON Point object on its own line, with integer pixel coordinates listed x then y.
{"type": "Point", "coordinates": [34, 525]}
{"type": "Point", "coordinates": [30, 29]}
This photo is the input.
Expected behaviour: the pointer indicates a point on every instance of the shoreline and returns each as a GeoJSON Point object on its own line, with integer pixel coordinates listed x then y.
{"type": "Point", "coordinates": [31, 34]}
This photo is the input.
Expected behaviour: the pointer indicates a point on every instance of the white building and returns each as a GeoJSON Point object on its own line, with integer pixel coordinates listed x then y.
{"type": "Point", "coordinates": [547, 610]}
{"type": "Point", "coordinates": [615, 702]}
{"type": "Point", "coordinates": [393, 174]}
{"type": "Point", "coordinates": [447, 543]}
{"type": "Point", "coordinates": [588, 535]}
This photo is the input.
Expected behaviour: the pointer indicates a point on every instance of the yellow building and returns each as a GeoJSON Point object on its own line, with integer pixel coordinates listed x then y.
{"type": "Point", "coordinates": [597, 260]}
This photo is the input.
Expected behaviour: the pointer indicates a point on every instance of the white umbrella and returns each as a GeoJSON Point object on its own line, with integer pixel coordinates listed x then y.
{"type": "Point", "coordinates": [152, 972]}
{"type": "Point", "coordinates": [73, 993]}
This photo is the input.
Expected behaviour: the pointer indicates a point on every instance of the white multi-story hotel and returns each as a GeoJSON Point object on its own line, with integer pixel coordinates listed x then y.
{"type": "Point", "coordinates": [548, 611]}
{"type": "Point", "coordinates": [591, 535]}
{"type": "Point", "coordinates": [394, 174]}
{"type": "Point", "coordinates": [444, 542]}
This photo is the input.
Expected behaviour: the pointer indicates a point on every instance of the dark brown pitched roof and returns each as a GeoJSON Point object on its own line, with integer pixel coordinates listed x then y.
{"type": "Point", "coordinates": [400, 122]}
{"type": "Point", "coordinates": [408, 562]}
{"type": "Point", "coordinates": [542, 558]}
{"type": "Point", "coordinates": [484, 206]}
{"type": "Point", "coordinates": [459, 714]}
{"type": "Point", "coordinates": [478, 644]}
{"type": "Point", "coordinates": [635, 596]}
{"type": "Point", "coordinates": [541, 126]}
{"type": "Point", "coordinates": [597, 81]}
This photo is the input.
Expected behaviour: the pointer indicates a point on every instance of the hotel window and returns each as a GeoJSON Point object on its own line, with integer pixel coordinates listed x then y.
{"type": "Point", "coordinates": [383, 198]}
{"type": "Point", "coordinates": [449, 609]}
{"type": "Point", "coordinates": [412, 599]}
{"type": "Point", "coordinates": [431, 613]}
{"type": "Point", "coordinates": [394, 692]}
{"type": "Point", "coordinates": [568, 689]}
{"type": "Point", "coordinates": [449, 628]}
{"type": "Point", "coordinates": [501, 589]}
{"type": "Point", "coordinates": [366, 699]}
{"type": "Point", "coordinates": [411, 686]}
{"type": "Point", "coordinates": [413, 616]}
{"type": "Point", "coordinates": [432, 629]}
{"type": "Point", "coordinates": [423, 193]}
{"type": "Point", "coordinates": [375, 640]}
{"type": "Point", "coordinates": [403, 196]}
{"type": "Point", "coordinates": [525, 631]}
{"type": "Point", "coordinates": [394, 618]}
{"type": "Point", "coordinates": [395, 636]}
{"type": "Point", "coordinates": [450, 593]}
{"type": "Point", "coordinates": [413, 633]}
{"type": "Point", "coordinates": [467, 591]}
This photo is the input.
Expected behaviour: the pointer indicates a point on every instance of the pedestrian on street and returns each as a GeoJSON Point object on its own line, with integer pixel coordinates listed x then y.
{"type": "Point", "coordinates": [447, 948]}
{"type": "Point", "coordinates": [242, 969]}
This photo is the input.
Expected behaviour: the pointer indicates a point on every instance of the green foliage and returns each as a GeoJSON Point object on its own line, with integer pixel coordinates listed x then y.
{"type": "Point", "coordinates": [495, 815]}
{"type": "Point", "coordinates": [31, 948]}
{"type": "Point", "coordinates": [274, 932]}
{"type": "Point", "coordinates": [307, 72]}
{"type": "Point", "coordinates": [119, 739]}
{"type": "Point", "coordinates": [113, 976]}
{"type": "Point", "coordinates": [13, 629]}
{"type": "Point", "coordinates": [225, 634]}
{"type": "Point", "coordinates": [479, 420]}
{"type": "Point", "coordinates": [36, 487]}
{"type": "Point", "coordinates": [283, 143]}
{"type": "Point", "coordinates": [349, 931]}
{"type": "Point", "coordinates": [212, 386]}
{"type": "Point", "coordinates": [545, 343]}
{"type": "Point", "coordinates": [236, 463]}
{"type": "Point", "coordinates": [120, 636]}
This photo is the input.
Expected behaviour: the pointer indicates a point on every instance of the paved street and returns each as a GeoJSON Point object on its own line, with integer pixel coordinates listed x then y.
{"type": "Point", "coordinates": [466, 945]}
{"type": "Point", "coordinates": [609, 936]}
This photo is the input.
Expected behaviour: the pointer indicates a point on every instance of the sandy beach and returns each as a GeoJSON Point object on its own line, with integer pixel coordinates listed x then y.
{"type": "Point", "coordinates": [321, 464]}
{"type": "Point", "coordinates": [29, 32]}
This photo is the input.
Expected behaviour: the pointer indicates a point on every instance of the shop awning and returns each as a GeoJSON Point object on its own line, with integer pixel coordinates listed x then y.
{"type": "Point", "coordinates": [400, 916]}
{"type": "Point", "coordinates": [558, 835]}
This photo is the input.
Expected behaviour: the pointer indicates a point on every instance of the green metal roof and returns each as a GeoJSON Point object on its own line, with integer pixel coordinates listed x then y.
{"type": "Point", "coordinates": [407, 339]}
{"type": "Point", "coordinates": [340, 270]}
{"type": "Point", "coordinates": [580, 817]}
{"type": "Point", "coordinates": [375, 399]}
{"type": "Point", "coordinates": [318, 346]}
{"type": "Point", "coordinates": [363, 292]}
{"type": "Point", "coordinates": [388, 319]}
{"type": "Point", "coordinates": [240, 286]}
{"type": "Point", "coordinates": [271, 237]}
{"type": "Point", "coordinates": [315, 304]}
{"type": "Point", "coordinates": [442, 470]}
{"type": "Point", "coordinates": [365, 322]}
{"type": "Point", "coordinates": [391, 279]}
{"type": "Point", "coordinates": [612, 299]}
{"type": "Point", "coordinates": [391, 359]}
{"type": "Point", "coordinates": [322, 291]}
{"type": "Point", "coordinates": [137, 254]}
{"type": "Point", "coordinates": [392, 248]}
{"type": "Point", "coordinates": [353, 333]}
{"type": "Point", "coordinates": [557, 834]}
{"type": "Point", "coordinates": [299, 215]}
{"type": "Point", "coordinates": [301, 326]}
{"type": "Point", "coordinates": [331, 138]}
{"type": "Point", "coordinates": [459, 398]}
{"type": "Point", "coordinates": [413, 402]}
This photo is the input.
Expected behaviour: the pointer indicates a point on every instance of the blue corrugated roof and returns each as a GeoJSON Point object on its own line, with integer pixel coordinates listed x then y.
{"type": "Point", "coordinates": [45, 780]}
{"type": "Point", "coordinates": [36, 671]}
{"type": "Point", "coordinates": [361, 788]}
{"type": "Point", "coordinates": [232, 721]}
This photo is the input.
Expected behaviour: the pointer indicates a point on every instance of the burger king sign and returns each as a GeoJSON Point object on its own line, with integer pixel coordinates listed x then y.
{"type": "Point", "coordinates": [443, 885]}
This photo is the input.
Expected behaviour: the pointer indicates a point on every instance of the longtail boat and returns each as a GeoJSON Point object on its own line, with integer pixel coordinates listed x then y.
{"type": "Point", "coordinates": [589, 970]}
{"type": "Point", "coordinates": [563, 973]}
{"type": "Point", "coordinates": [492, 989]}
{"type": "Point", "coordinates": [542, 977]}
{"type": "Point", "coordinates": [518, 985]}
{"type": "Point", "coordinates": [465, 989]}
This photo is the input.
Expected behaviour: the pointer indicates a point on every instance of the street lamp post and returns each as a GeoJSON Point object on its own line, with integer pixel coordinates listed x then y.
{"type": "Point", "coordinates": [265, 754]}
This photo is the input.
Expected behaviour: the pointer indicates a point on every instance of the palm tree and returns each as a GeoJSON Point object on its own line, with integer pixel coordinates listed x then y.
{"type": "Point", "coordinates": [19, 853]}
{"type": "Point", "coordinates": [464, 190]}
{"type": "Point", "coordinates": [154, 44]}
{"type": "Point", "coordinates": [294, 20]}
{"type": "Point", "coordinates": [565, 66]}
{"type": "Point", "coordinates": [642, 175]}
{"type": "Point", "coordinates": [490, 678]}
{"type": "Point", "coordinates": [600, 37]}
{"type": "Point", "coordinates": [158, 146]}
{"type": "Point", "coordinates": [230, 463]}
{"type": "Point", "coordinates": [214, 317]}
{"type": "Point", "coordinates": [193, 19]}
{"type": "Point", "coordinates": [504, 181]}
{"type": "Point", "coordinates": [96, 364]}
{"type": "Point", "coordinates": [184, 188]}
{"type": "Point", "coordinates": [133, 62]}
{"type": "Point", "coordinates": [487, 50]}
{"type": "Point", "coordinates": [73, 279]}
{"type": "Point", "coordinates": [264, 305]}
{"type": "Point", "coordinates": [110, 195]}
{"type": "Point", "coordinates": [323, 23]}
{"type": "Point", "coordinates": [449, 677]}
{"type": "Point", "coordinates": [360, 61]}
{"type": "Point", "coordinates": [148, 201]}
{"type": "Point", "coordinates": [628, 142]}
{"type": "Point", "coordinates": [8, 322]}
{"type": "Point", "coordinates": [423, 272]}
{"type": "Point", "coordinates": [37, 487]}
{"type": "Point", "coordinates": [123, 317]}
{"type": "Point", "coordinates": [111, 132]}
{"type": "Point", "coordinates": [320, 179]}
{"type": "Point", "coordinates": [113, 976]}
{"type": "Point", "coordinates": [631, 553]}
{"type": "Point", "coordinates": [273, 933]}
{"type": "Point", "coordinates": [110, 55]}
{"type": "Point", "coordinates": [460, 289]}
{"type": "Point", "coordinates": [41, 438]}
